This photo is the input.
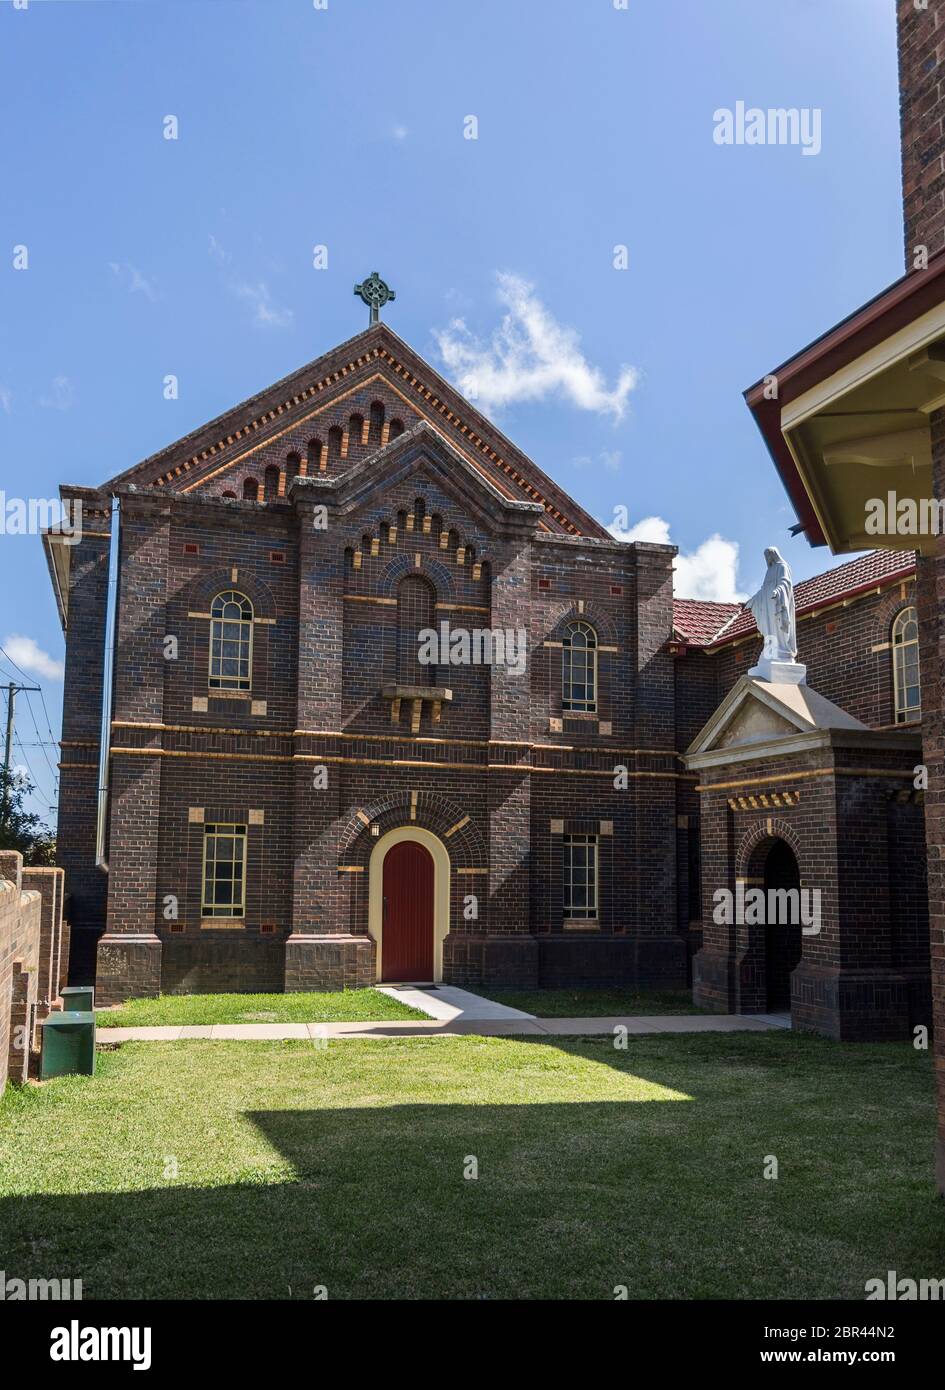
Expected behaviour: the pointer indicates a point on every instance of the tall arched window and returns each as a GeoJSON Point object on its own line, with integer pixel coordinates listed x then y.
{"type": "Point", "coordinates": [250, 490]}
{"type": "Point", "coordinates": [579, 668]}
{"type": "Point", "coordinates": [415, 611]}
{"type": "Point", "coordinates": [905, 654]}
{"type": "Point", "coordinates": [231, 641]}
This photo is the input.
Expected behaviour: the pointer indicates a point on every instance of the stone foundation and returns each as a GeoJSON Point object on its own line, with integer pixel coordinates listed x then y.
{"type": "Point", "coordinates": [223, 962]}
{"type": "Point", "coordinates": [128, 967]}
{"type": "Point", "coordinates": [861, 1005]}
{"type": "Point", "coordinates": [328, 961]}
{"type": "Point", "coordinates": [566, 960]}
{"type": "Point", "coordinates": [490, 962]}
{"type": "Point", "coordinates": [713, 980]}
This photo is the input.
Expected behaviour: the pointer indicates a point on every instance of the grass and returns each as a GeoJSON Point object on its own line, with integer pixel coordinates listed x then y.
{"type": "Point", "coordinates": [596, 1003]}
{"type": "Point", "coordinates": [261, 1170]}
{"type": "Point", "coordinates": [331, 1006]}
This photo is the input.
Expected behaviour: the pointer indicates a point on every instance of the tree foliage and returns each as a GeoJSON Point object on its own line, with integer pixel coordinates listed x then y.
{"type": "Point", "coordinates": [21, 829]}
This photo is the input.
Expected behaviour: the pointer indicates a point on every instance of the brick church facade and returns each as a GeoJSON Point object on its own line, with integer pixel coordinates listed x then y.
{"type": "Point", "coordinates": [270, 724]}
{"type": "Point", "coordinates": [293, 800]}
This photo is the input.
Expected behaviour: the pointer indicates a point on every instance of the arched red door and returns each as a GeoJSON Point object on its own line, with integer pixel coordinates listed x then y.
{"type": "Point", "coordinates": [407, 940]}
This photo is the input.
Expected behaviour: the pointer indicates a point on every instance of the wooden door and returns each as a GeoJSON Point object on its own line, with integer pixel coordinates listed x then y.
{"type": "Point", "coordinates": [407, 940]}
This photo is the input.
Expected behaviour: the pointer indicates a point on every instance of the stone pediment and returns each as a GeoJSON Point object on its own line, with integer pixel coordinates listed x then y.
{"type": "Point", "coordinates": [757, 716]}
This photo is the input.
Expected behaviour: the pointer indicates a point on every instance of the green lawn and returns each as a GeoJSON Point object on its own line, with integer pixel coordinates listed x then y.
{"type": "Point", "coordinates": [595, 1003]}
{"type": "Point", "coordinates": [261, 1170]}
{"type": "Point", "coordinates": [330, 1006]}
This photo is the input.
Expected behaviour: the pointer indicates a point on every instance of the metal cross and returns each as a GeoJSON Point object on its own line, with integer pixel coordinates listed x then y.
{"type": "Point", "coordinates": [375, 294]}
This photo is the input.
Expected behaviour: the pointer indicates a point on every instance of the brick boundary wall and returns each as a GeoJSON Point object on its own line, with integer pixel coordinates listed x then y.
{"type": "Point", "coordinates": [32, 941]}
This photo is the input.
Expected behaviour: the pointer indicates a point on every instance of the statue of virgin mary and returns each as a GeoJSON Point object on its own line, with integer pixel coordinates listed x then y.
{"type": "Point", "coordinates": [773, 610]}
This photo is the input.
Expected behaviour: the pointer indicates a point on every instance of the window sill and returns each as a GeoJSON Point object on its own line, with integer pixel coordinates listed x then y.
{"type": "Point", "coordinates": [222, 923]}
{"type": "Point", "coordinates": [589, 925]}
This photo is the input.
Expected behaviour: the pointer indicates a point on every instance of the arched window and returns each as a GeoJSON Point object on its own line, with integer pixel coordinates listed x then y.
{"type": "Point", "coordinates": [271, 483]}
{"type": "Point", "coordinates": [579, 668]}
{"type": "Point", "coordinates": [250, 490]}
{"type": "Point", "coordinates": [415, 611]}
{"type": "Point", "coordinates": [231, 641]}
{"type": "Point", "coordinates": [905, 654]}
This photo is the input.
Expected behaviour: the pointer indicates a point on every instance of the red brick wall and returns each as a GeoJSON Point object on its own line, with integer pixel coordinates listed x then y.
{"type": "Point", "coordinates": [921, 72]}
{"type": "Point", "coordinates": [504, 753]}
{"type": "Point", "coordinates": [20, 927]}
{"type": "Point", "coordinates": [921, 54]}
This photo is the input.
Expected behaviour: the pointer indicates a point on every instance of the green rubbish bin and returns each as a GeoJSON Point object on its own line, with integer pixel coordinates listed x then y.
{"type": "Point", "coordinates": [78, 999]}
{"type": "Point", "coordinates": [68, 1045]}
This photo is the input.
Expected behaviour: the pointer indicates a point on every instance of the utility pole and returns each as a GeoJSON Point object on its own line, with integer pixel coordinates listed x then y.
{"type": "Point", "coordinates": [12, 692]}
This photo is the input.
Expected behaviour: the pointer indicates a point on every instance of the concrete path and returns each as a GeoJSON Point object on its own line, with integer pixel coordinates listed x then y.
{"type": "Point", "coordinates": [523, 1026]}
{"type": "Point", "coordinates": [447, 1003]}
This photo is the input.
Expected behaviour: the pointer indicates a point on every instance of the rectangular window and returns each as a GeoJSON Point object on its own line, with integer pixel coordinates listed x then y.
{"type": "Point", "coordinates": [580, 877]}
{"type": "Point", "coordinates": [224, 870]}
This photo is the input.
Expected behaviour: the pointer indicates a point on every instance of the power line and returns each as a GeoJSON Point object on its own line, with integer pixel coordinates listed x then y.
{"type": "Point", "coordinates": [52, 770]}
{"type": "Point", "coordinates": [9, 658]}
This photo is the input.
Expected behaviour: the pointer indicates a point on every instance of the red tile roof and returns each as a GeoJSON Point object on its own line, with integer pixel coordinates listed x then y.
{"type": "Point", "coordinates": [698, 621]}
{"type": "Point", "coordinates": [702, 623]}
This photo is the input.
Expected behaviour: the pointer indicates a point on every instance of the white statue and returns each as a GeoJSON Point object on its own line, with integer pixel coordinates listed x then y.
{"type": "Point", "coordinates": [773, 610]}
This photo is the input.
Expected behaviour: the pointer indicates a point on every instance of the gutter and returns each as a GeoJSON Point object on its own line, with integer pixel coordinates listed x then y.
{"type": "Point", "coordinates": [900, 304]}
{"type": "Point", "coordinates": [108, 680]}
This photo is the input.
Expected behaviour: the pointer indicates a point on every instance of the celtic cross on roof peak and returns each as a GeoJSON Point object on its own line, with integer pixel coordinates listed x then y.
{"type": "Point", "coordinates": [375, 294]}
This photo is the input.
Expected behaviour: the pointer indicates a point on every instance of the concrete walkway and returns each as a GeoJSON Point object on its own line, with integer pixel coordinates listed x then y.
{"type": "Point", "coordinates": [447, 1003]}
{"type": "Point", "coordinates": [523, 1026]}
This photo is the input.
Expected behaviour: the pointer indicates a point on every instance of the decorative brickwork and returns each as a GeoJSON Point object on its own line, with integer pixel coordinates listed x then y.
{"type": "Point", "coordinates": [840, 805]}
{"type": "Point", "coordinates": [375, 516]}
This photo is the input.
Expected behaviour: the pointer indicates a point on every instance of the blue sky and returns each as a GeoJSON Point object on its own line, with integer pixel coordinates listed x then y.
{"type": "Point", "coordinates": [344, 127]}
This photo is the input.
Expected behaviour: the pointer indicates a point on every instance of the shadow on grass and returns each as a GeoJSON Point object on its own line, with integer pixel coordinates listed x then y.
{"type": "Point", "coordinates": [662, 1192]}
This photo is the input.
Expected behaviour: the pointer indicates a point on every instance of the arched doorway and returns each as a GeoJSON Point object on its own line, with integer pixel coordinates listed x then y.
{"type": "Point", "coordinates": [408, 912]}
{"type": "Point", "coordinates": [408, 904]}
{"type": "Point", "coordinates": [783, 937]}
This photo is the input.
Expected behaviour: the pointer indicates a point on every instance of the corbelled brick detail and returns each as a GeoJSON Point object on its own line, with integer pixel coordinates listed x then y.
{"type": "Point", "coordinates": [322, 561]}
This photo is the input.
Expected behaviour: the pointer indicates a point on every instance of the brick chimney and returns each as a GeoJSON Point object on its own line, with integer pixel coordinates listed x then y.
{"type": "Point", "coordinates": [921, 29]}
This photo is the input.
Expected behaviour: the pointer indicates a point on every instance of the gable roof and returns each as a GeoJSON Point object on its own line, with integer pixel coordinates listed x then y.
{"type": "Point", "coordinates": [759, 715]}
{"type": "Point", "coordinates": [295, 400]}
{"type": "Point", "coordinates": [702, 623]}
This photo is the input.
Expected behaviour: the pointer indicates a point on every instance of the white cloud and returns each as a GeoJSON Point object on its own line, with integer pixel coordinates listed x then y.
{"type": "Point", "coordinates": [400, 132]}
{"type": "Point", "coordinates": [708, 572]}
{"type": "Point", "coordinates": [6, 399]}
{"type": "Point", "coordinates": [217, 251]}
{"type": "Point", "coordinates": [24, 652]}
{"type": "Point", "coordinates": [652, 528]}
{"type": "Point", "coordinates": [609, 459]}
{"type": "Point", "coordinates": [529, 356]}
{"type": "Point", "coordinates": [130, 275]}
{"type": "Point", "coordinates": [266, 313]}
{"type": "Point", "coordinates": [61, 397]}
